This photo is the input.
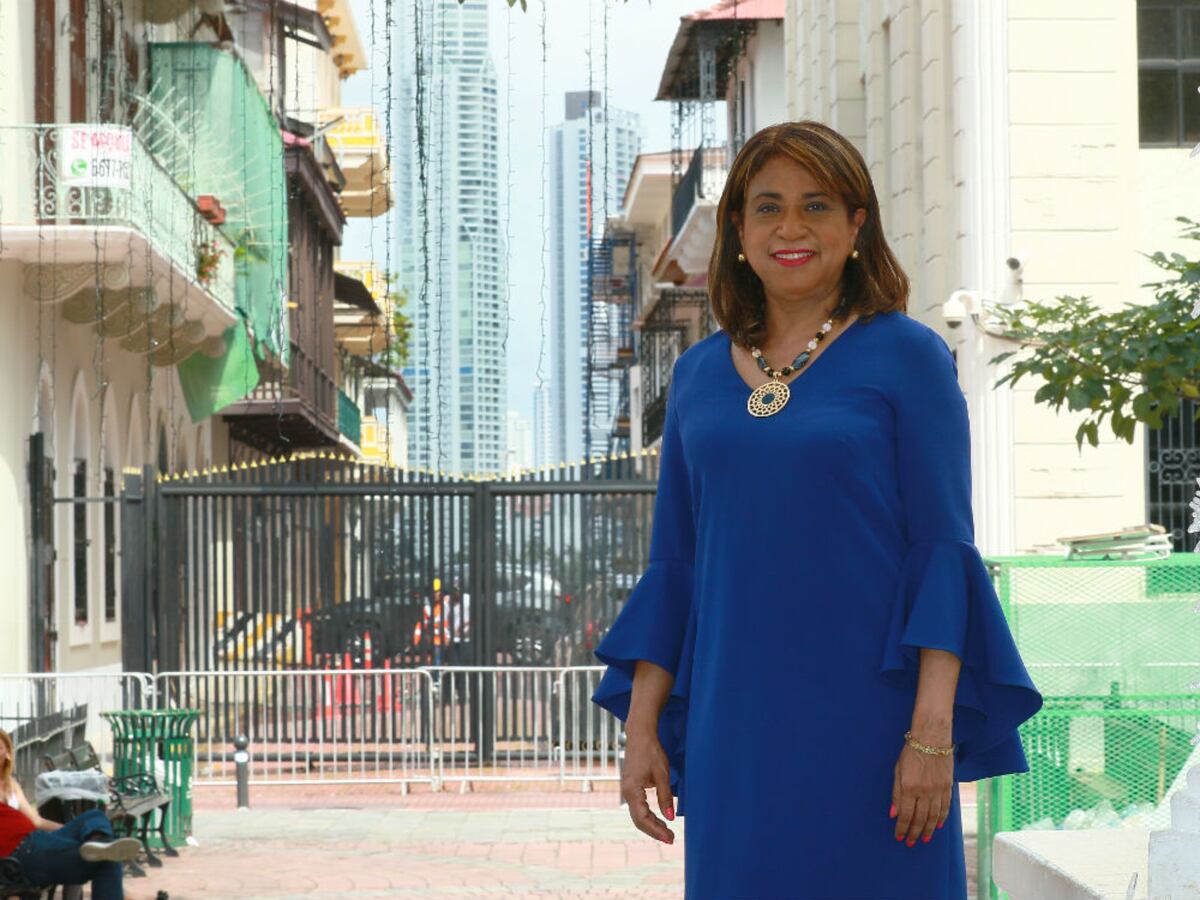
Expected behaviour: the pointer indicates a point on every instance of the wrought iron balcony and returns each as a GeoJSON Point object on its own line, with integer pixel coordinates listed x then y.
{"type": "Point", "coordinates": [693, 208]}
{"type": "Point", "coordinates": [678, 319]}
{"type": "Point", "coordinates": [104, 203]}
{"type": "Point", "coordinates": [288, 410]}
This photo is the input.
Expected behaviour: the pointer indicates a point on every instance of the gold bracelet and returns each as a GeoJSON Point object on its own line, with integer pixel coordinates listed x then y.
{"type": "Point", "coordinates": [925, 748]}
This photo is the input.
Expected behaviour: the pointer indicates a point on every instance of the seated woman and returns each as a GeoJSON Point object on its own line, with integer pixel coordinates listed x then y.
{"type": "Point", "coordinates": [83, 850]}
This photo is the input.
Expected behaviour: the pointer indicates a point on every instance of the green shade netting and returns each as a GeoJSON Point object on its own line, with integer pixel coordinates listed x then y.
{"type": "Point", "coordinates": [209, 385]}
{"type": "Point", "coordinates": [218, 137]}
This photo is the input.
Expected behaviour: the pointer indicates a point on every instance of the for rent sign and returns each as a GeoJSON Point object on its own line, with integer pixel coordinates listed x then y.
{"type": "Point", "coordinates": [96, 156]}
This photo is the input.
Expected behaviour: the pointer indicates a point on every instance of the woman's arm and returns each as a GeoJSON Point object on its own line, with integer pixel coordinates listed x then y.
{"type": "Point", "coordinates": [31, 813]}
{"type": "Point", "coordinates": [651, 688]}
{"type": "Point", "coordinates": [933, 711]}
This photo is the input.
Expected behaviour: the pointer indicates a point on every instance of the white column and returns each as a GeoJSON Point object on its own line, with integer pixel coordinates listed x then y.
{"type": "Point", "coordinates": [980, 72]}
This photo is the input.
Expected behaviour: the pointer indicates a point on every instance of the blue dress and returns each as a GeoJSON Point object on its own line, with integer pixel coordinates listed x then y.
{"type": "Point", "coordinates": [797, 564]}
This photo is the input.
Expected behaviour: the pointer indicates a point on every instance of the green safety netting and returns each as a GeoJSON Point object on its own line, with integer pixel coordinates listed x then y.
{"type": "Point", "coordinates": [212, 128]}
{"type": "Point", "coordinates": [210, 384]}
{"type": "Point", "coordinates": [1114, 647]}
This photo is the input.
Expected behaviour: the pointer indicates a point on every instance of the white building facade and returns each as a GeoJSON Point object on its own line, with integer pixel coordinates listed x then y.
{"type": "Point", "coordinates": [109, 284]}
{"type": "Point", "coordinates": [1014, 155]}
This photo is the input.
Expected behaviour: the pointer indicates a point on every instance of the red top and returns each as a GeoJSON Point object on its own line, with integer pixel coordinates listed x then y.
{"type": "Point", "coordinates": [14, 826]}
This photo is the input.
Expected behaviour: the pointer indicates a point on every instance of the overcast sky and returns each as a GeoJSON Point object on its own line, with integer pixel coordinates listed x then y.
{"type": "Point", "coordinates": [640, 33]}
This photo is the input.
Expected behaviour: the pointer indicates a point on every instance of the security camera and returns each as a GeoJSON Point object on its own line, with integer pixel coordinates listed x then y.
{"type": "Point", "coordinates": [954, 310]}
{"type": "Point", "coordinates": [1014, 288]}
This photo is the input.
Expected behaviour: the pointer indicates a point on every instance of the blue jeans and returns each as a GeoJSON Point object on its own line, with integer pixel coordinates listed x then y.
{"type": "Point", "coordinates": [52, 857]}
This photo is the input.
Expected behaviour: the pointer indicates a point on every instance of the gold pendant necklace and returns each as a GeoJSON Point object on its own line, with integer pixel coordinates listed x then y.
{"type": "Point", "coordinates": [769, 398]}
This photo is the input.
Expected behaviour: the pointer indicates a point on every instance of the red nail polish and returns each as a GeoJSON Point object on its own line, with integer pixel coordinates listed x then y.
{"type": "Point", "coordinates": [899, 837]}
{"type": "Point", "coordinates": [940, 824]}
{"type": "Point", "coordinates": [927, 838]}
{"type": "Point", "coordinates": [892, 811]}
{"type": "Point", "coordinates": [911, 844]}
{"type": "Point", "coordinates": [670, 814]}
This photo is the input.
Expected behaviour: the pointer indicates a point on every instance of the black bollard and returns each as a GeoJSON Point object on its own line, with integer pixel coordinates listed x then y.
{"type": "Point", "coordinates": [242, 758]}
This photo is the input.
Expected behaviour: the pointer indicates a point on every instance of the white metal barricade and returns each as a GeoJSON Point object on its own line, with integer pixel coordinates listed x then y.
{"type": "Point", "coordinates": [348, 726]}
{"type": "Point", "coordinates": [591, 746]}
{"type": "Point", "coordinates": [26, 695]}
{"type": "Point", "coordinates": [333, 726]}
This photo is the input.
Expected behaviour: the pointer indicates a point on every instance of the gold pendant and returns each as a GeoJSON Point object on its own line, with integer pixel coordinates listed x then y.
{"type": "Point", "coordinates": [768, 399]}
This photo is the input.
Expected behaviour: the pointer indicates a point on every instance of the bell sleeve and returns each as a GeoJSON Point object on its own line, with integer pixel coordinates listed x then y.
{"type": "Point", "coordinates": [658, 621]}
{"type": "Point", "coordinates": [945, 596]}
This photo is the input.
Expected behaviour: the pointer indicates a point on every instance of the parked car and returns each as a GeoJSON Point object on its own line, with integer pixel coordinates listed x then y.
{"type": "Point", "coordinates": [527, 588]}
{"type": "Point", "coordinates": [531, 613]}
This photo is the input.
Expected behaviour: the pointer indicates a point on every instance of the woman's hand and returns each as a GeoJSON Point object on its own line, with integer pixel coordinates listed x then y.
{"type": "Point", "coordinates": [921, 794]}
{"type": "Point", "coordinates": [646, 767]}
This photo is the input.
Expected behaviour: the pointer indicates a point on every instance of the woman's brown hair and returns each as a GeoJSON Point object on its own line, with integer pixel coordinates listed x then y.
{"type": "Point", "coordinates": [872, 283]}
{"type": "Point", "coordinates": [6, 768]}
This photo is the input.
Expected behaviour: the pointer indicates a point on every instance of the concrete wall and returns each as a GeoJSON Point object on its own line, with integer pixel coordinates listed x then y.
{"type": "Point", "coordinates": [1074, 197]}
{"type": "Point", "coordinates": [1168, 186]}
{"type": "Point", "coordinates": [823, 56]}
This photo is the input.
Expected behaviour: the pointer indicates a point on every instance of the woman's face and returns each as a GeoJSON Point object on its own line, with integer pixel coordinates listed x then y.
{"type": "Point", "coordinates": [796, 236]}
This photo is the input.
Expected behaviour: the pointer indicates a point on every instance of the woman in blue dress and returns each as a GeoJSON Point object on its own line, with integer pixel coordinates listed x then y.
{"type": "Point", "coordinates": [815, 656]}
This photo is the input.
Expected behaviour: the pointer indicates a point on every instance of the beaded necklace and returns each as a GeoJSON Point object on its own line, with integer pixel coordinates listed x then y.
{"type": "Point", "coordinates": [772, 396]}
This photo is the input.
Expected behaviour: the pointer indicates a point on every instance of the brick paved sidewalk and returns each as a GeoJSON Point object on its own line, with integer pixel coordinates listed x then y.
{"type": "Point", "coordinates": [445, 845]}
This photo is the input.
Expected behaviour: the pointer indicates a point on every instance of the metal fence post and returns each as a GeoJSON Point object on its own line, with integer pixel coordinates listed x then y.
{"type": "Point", "coordinates": [484, 553]}
{"type": "Point", "coordinates": [136, 565]}
{"type": "Point", "coordinates": [241, 757]}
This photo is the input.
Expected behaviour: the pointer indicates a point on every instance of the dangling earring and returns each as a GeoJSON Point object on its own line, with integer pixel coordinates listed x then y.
{"type": "Point", "coordinates": [854, 255]}
{"type": "Point", "coordinates": [741, 257]}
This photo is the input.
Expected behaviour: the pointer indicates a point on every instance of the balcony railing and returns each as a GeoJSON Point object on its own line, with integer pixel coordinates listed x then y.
{"type": "Point", "coordinates": [298, 411]}
{"type": "Point", "coordinates": [349, 419]}
{"type": "Point", "coordinates": [703, 180]}
{"type": "Point", "coordinates": [43, 187]}
{"type": "Point", "coordinates": [680, 318]}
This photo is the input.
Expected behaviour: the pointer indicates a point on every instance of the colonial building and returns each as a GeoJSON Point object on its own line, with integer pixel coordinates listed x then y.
{"type": "Point", "coordinates": [170, 215]}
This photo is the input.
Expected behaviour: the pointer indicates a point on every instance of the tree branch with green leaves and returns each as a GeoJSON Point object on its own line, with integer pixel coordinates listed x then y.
{"type": "Point", "coordinates": [1129, 366]}
{"type": "Point", "coordinates": [395, 354]}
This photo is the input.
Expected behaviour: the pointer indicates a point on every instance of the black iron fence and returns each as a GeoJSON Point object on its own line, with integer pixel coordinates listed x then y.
{"type": "Point", "coordinates": [1172, 466]}
{"type": "Point", "coordinates": [316, 562]}
{"type": "Point", "coordinates": [323, 565]}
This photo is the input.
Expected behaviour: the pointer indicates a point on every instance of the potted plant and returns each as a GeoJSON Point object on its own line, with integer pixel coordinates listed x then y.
{"type": "Point", "coordinates": [208, 257]}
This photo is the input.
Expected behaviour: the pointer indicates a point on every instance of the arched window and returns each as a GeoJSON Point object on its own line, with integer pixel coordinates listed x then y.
{"type": "Point", "coordinates": [78, 473]}
{"type": "Point", "coordinates": [109, 477]}
{"type": "Point", "coordinates": [163, 460]}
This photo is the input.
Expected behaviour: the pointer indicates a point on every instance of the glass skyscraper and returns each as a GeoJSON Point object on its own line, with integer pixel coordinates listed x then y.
{"type": "Point", "coordinates": [450, 243]}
